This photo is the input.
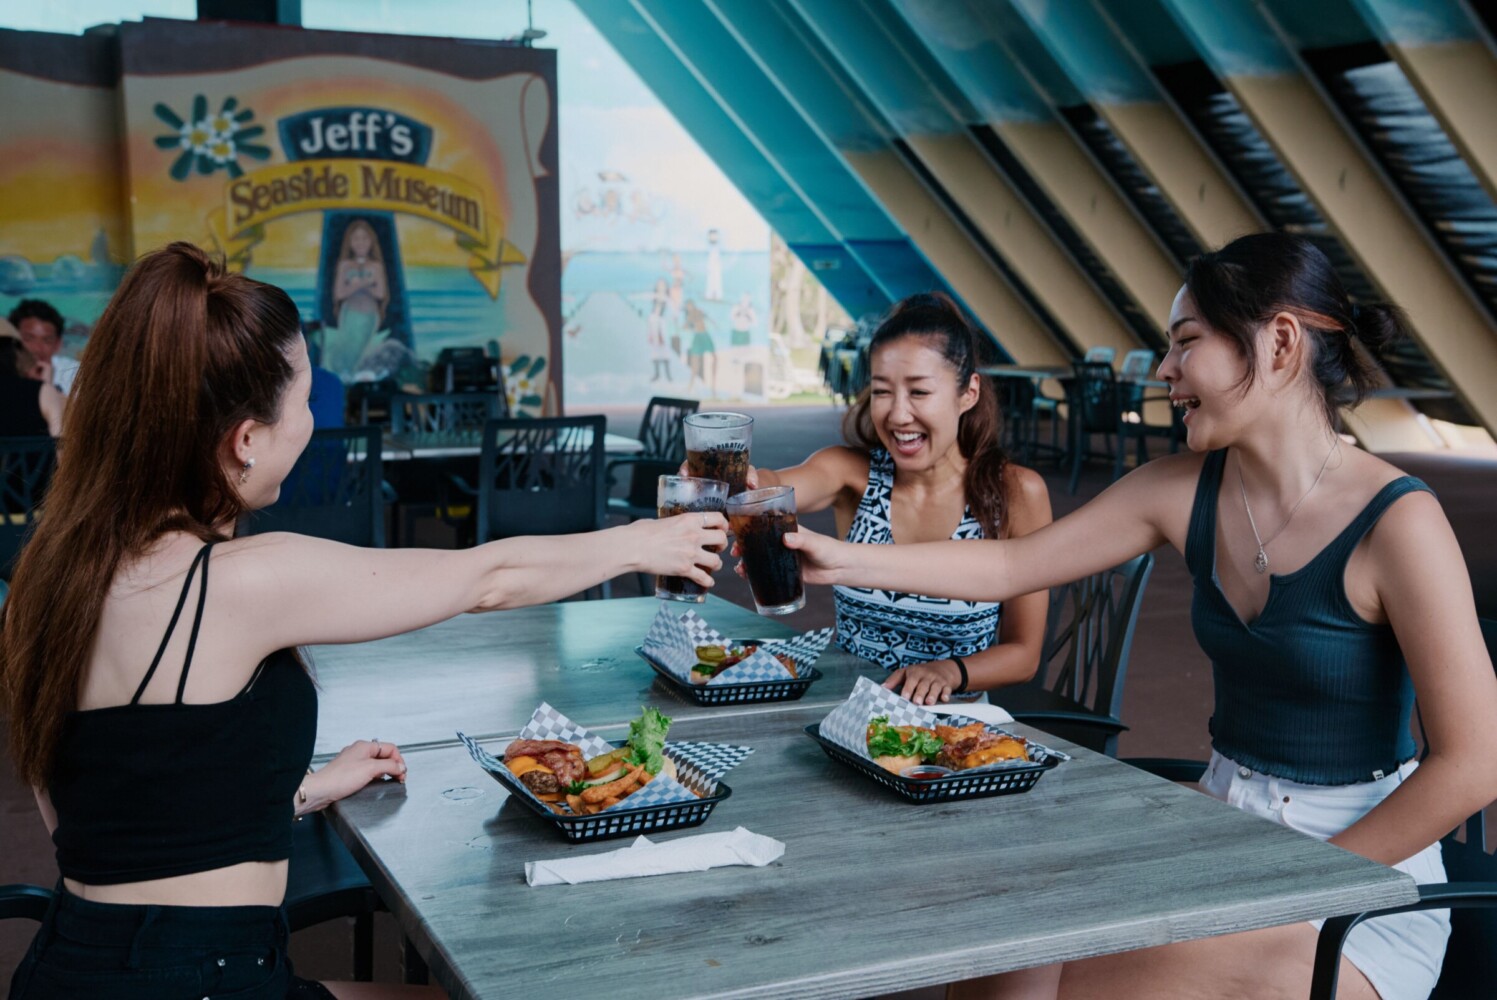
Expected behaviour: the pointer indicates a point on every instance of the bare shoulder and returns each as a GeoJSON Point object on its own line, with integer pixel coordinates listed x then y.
{"type": "Point", "coordinates": [1025, 486]}
{"type": "Point", "coordinates": [849, 465]}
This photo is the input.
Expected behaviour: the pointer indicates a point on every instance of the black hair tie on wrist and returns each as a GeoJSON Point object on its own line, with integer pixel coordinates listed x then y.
{"type": "Point", "coordinates": [962, 666]}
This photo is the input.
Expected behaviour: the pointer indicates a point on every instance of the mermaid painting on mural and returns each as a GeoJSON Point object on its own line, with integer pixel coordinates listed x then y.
{"type": "Point", "coordinates": [360, 294]}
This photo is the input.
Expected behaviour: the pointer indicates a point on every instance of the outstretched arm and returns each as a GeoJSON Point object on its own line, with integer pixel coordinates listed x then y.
{"type": "Point", "coordinates": [1138, 513]}
{"type": "Point", "coordinates": [821, 478]}
{"type": "Point", "coordinates": [305, 591]}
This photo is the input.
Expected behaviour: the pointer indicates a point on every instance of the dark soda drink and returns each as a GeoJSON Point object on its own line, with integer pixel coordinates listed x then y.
{"type": "Point", "coordinates": [759, 520]}
{"type": "Point", "coordinates": [679, 588]}
{"type": "Point", "coordinates": [728, 463]}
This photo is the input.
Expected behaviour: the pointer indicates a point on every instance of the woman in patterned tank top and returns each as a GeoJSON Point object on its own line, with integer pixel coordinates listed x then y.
{"type": "Point", "coordinates": [926, 464]}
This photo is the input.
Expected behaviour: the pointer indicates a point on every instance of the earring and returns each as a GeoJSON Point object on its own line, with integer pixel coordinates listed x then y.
{"type": "Point", "coordinates": [249, 463]}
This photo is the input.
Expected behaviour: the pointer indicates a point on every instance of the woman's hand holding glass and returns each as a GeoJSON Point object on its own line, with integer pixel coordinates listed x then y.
{"type": "Point", "coordinates": [687, 545]}
{"type": "Point", "coordinates": [926, 683]}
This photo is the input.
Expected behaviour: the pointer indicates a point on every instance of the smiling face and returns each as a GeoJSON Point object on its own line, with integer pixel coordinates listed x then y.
{"type": "Point", "coordinates": [1206, 370]}
{"type": "Point", "coordinates": [915, 402]}
{"type": "Point", "coordinates": [360, 240]}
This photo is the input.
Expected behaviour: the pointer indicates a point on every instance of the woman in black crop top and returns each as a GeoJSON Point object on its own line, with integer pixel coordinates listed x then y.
{"type": "Point", "coordinates": [147, 659]}
{"type": "Point", "coordinates": [1328, 591]}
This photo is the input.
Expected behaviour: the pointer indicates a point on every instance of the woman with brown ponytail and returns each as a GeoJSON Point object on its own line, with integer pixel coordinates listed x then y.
{"type": "Point", "coordinates": [927, 463]}
{"type": "Point", "coordinates": [165, 721]}
{"type": "Point", "coordinates": [1329, 591]}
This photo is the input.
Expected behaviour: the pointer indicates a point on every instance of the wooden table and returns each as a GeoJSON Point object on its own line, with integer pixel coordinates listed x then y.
{"type": "Point", "coordinates": [409, 447]}
{"type": "Point", "coordinates": [484, 674]}
{"type": "Point", "coordinates": [1097, 858]}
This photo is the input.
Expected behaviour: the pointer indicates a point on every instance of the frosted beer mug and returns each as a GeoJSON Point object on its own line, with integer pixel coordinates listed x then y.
{"type": "Point", "coordinates": [685, 495]}
{"type": "Point", "coordinates": [759, 520]}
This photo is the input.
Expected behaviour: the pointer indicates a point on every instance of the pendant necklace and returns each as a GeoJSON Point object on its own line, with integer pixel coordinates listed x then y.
{"type": "Point", "coordinates": [1260, 563]}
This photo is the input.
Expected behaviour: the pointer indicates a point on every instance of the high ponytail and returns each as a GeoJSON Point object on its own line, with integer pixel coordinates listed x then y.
{"type": "Point", "coordinates": [979, 435]}
{"type": "Point", "coordinates": [184, 352]}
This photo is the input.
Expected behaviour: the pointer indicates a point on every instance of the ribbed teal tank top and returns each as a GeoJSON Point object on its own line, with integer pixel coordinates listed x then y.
{"type": "Point", "coordinates": [1310, 691]}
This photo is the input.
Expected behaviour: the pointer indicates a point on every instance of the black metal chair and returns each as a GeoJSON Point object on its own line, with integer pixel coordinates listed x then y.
{"type": "Point", "coordinates": [26, 465]}
{"type": "Point", "coordinates": [1470, 967]}
{"type": "Point", "coordinates": [445, 412]}
{"type": "Point", "coordinates": [541, 477]}
{"type": "Point", "coordinates": [324, 883]}
{"type": "Point", "coordinates": [1077, 693]}
{"type": "Point", "coordinates": [335, 490]}
{"type": "Point", "coordinates": [24, 902]}
{"type": "Point", "coordinates": [665, 449]}
{"type": "Point", "coordinates": [1098, 401]}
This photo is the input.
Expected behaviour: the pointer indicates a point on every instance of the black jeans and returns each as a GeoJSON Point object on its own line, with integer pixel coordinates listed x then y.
{"type": "Point", "coordinates": [130, 952]}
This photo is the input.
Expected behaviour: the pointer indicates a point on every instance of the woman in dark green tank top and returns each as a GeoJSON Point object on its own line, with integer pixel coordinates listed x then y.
{"type": "Point", "coordinates": [1329, 591]}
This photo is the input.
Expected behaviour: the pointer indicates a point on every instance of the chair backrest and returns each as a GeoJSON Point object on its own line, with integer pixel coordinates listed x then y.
{"type": "Point", "coordinates": [334, 491]}
{"type": "Point", "coordinates": [541, 477]}
{"type": "Point", "coordinates": [1137, 364]}
{"type": "Point", "coordinates": [1089, 634]}
{"type": "Point", "coordinates": [445, 412]}
{"type": "Point", "coordinates": [26, 465]}
{"type": "Point", "coordinates": [1098, 400]}
{"type": "Point", "coordinates": [1103, 354]}
{"type": "Point", "coordinates": [27, 902]}
{"type": "Point", "coordinates": [664, 439]}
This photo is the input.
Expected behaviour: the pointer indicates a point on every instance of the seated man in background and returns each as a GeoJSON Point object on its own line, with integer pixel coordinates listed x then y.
{"type": "Point", "coordinates": [30, 406]}
{"type": "Point", "coordinates": [40, 326]}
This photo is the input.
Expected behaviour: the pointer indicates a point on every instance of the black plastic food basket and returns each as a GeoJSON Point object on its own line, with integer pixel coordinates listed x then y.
{"type": "Point", "coordinates": [747, 693]}
{"type": "Point", "coordinates": [999, 779]}
{"type": "Point", "coordinates": [618, 822]}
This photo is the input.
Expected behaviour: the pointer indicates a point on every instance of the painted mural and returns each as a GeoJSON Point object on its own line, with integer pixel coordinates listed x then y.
{"type": "Point", "coordinates": [63, 236]}
{"type": "Point", "coordinates": [401, 190]}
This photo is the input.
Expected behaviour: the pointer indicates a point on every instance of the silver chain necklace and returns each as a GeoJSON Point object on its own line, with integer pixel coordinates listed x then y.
{"type": "Point", "coordinates": [1260, 563]}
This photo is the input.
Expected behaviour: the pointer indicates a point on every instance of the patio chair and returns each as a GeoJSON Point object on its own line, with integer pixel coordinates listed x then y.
{"type": "Point", "coordinates": [541, 477]}
{"type": "Point", "coordinates": [323, 883]}
{"type": "Point", "coordinates": [1096, 408]}
{"type": "Point", "coordinates": [26, 465]}
{"type": "Point", "coordinates": [1077, 693]}
{"type": "Point", "coordinates": [335, 491]}
{"type": "Point", "coordinates": [1470, 966]}
{"type": "Point", "coordinates": [664, 451]}
{"type": "Point", "coordinates": [445, 412]}
{"type": "Point", "coordinates": [24, 902]}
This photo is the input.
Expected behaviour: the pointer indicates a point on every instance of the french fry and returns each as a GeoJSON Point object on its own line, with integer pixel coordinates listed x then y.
{"type": "Point", "coordinates": [575, 802]}
{"type": "Point", "coordinates": [609, 803]}
{"type": "Point", "coordinates": [613, 789]}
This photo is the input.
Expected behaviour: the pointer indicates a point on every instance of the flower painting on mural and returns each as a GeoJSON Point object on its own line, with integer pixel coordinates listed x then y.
{"type": "Point", "coordinates": [211, 142]}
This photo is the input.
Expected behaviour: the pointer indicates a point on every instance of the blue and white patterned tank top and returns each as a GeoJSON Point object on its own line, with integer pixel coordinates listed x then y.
{"type": "Point", "coordinates": [895, 629]}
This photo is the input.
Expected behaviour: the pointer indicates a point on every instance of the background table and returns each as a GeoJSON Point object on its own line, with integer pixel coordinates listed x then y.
{"type": "Point", "coordinates": [468, 444]}
{"type": "Point", "coordinates": [1098, 857]}
{"type": "Point", "coordinates": [484, 674]}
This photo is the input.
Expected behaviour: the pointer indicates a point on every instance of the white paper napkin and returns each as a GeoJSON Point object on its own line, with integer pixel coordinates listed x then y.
{"type": "Point", "coordinates": [644, 857]}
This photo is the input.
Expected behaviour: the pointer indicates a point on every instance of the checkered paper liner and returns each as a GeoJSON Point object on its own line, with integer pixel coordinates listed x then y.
{"type": "Point", "coordinates": [672, 642]}
{"type": "Point", "coordinates": [847, 724]}
{"type": "Point", "coordinates": [699, 765]}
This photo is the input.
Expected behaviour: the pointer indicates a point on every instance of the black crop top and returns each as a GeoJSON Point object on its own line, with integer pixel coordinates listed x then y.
{"type": "Point", "coordinates": [151, 791]}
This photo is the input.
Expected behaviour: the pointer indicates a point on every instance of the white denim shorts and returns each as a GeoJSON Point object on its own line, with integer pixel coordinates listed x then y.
{"type": "Point", "coordinates": [1399, 954]}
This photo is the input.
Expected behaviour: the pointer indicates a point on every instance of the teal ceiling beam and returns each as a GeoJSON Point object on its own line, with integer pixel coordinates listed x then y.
{"type": "Point", "coordinates": [853, 122]}
{"type": "Point", "coordinates": [756, 175]}
{"type": "Point", "coordinates": [1119, 87]}
{"type": "Point", "coordinates": [1443, 53]}
{"type": "Point", "coordinates": [812, 168]}
{"type": "Point", "coordinates": [1241, 43]}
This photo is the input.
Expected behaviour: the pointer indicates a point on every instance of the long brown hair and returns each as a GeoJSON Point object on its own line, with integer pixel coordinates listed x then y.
{"type": "Point", "coordinates": [184, 352]}
{"type": "Point", "coordinates": [979, 433]}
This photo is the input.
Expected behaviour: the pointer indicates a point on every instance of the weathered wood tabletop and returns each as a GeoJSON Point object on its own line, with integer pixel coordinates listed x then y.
{"type": "Point", "coordinates": [484, 674]}
{"type": "Point", "coordinates": [873, 893]}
